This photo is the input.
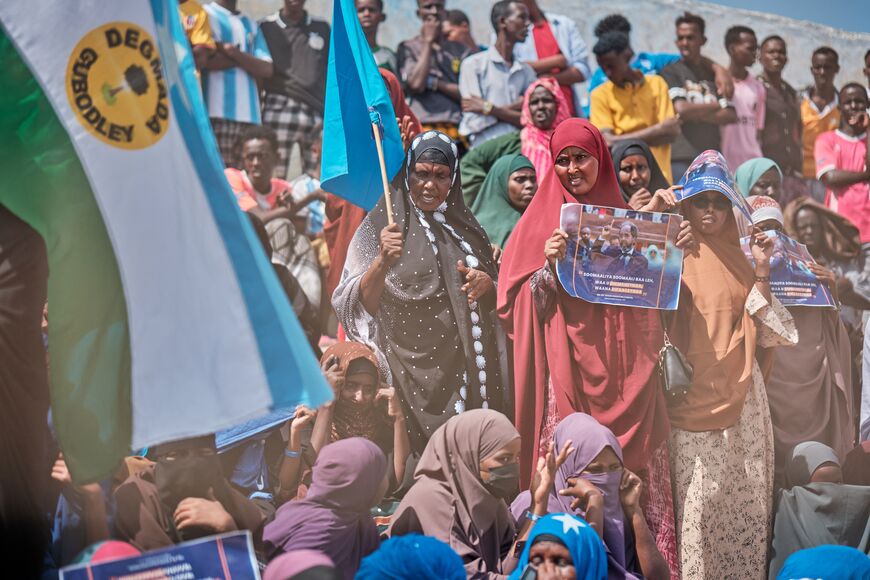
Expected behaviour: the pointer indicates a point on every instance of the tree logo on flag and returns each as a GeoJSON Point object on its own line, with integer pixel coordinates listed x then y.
{"type": "Point", "coordinates": [115, 86]}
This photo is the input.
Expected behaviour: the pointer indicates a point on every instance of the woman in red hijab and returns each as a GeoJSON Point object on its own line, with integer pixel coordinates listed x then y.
{"type": "Point", "coordinates": [570, 355]}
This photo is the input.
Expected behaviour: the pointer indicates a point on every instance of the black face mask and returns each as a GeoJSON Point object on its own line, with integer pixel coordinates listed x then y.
{"type": "Point", "coordinates": [504, 481]}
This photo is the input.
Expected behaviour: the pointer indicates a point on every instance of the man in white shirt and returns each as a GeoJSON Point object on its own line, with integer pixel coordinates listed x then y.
{"type": "Point", "coordinates": [492, 82]}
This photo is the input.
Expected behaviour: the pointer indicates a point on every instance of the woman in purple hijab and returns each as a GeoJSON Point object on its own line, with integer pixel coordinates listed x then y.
{"type": "Point", "coordinates": [593, 484]}
{"type": "Point", "coordinates": [348, 479]}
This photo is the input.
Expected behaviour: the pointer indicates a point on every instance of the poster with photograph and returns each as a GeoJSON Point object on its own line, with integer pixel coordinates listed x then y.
{"type": "Point", "coordinates": [709, 172]}
{"type": "Point", "coordinates": [621, 256]}
{"type": "Point", "coordinates": [791, 280]}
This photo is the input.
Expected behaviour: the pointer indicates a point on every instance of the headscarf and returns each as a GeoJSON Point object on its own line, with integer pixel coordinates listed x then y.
{"type": "Point", "coordinates": [301, 564]}
{"type": "Point", "coordinates": [749, 172]}
{"type": "Point", "coordinates": [623, 149]}
{"type": "Point", "coordinates": [492, 206]}
{"type": "Point", "coordinates": [351, 419]}
{"type": "Point", "coordinates": [600, 359]}
{"type": "Point", "coordinates": [587, 551]}
{"type": "Point", "coordinates": [806, 458]}
{"type": "Point", "coordinates": [424, 319]}
{"type": "Point", "coordinates": [334, 516]}
{"type": "Point", "coordinates": [834, 562]}
{"type": "Point", "coordinates": [343, 217]}
{"type": "Point", "coordinates": [856, 468]}
{"type": "Point", "coordinates": [449, 500]}
{"type": "Point", "coordinates": [814, 514]}
{"type": "Point", "coordinates": [715, 332]}
{"type": "Point", "coordinates": [589, 438]}
{"type": "Point", "coordinates": [412, 557]}
{"type": "Point", "coordinates": [842, 240]}
{"type": "Point", "coordinates": [535, 142]}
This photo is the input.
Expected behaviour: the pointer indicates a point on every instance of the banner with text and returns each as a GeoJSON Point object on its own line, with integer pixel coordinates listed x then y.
{"type": "Point", "coordinates": [621, 256]}
{"type": "Point", "coordinates": [791, 280]}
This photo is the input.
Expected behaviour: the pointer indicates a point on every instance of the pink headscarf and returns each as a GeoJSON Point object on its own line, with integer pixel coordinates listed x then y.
{"type": "Point", "coordinates": [290, 564]}
{"type": "Point", "coordinates": [536, 142]}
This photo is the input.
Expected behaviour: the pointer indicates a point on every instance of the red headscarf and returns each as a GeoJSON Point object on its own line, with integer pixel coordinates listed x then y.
{"type": "Point", "coordinates": [601, 359]}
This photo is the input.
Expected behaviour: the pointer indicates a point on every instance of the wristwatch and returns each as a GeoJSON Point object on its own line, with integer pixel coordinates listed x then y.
{"type": "Point", "coordinates": [487, 107]}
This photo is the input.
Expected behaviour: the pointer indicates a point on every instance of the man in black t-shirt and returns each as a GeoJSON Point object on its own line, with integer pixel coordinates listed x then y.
{"type": "Point", "coordinates": [293, 106]}
{"type": "Point", "coordinates": [697, 102]}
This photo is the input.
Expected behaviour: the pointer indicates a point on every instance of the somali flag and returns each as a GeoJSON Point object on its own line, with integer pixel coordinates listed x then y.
{"type": "Point", "coordinates": [356, 97]}
{"type": "Point", "coordinates": [166, 318]}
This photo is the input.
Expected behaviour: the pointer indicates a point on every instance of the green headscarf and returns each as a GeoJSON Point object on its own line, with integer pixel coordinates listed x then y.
{"type": "Point", "coordinates": [491, 206]}
{"type": "Point", "coordinates": [749, 172]}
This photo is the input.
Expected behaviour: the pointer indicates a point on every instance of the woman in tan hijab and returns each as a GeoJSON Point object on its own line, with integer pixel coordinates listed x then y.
{"type": "Point", "coordinates": [721, 442]}
{"type": "Point", "coordinates": [470, 468]}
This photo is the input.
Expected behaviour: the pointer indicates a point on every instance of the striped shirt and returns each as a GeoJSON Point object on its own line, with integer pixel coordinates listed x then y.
{"type": "Point", "coordinates": [232, 93]}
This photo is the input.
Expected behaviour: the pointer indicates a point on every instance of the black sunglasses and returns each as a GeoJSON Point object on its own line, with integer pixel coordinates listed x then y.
{"type": "Point", "coordinates": [718, 202]}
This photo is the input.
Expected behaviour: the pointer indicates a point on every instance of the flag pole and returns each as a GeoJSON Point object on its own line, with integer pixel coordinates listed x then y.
{"type": "Point", "coordinates": [387, 197]}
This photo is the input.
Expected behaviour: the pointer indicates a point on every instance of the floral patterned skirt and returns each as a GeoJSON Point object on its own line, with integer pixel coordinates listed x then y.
{"type": "Point", "coordinates": [723, 493]}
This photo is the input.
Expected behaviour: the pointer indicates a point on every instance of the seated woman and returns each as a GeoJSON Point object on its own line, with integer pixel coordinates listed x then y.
{"type": "Point", "coordinates": [412, 556]}
{"type": "Point", "coordinates": [348, 479]}
{"type": "Point", "coordinates": [421, 293]}
{"type": "Point", "coordinates": [468, 471]}
{"type": "Point", "coordinates": [544, 107]}
{"type": "Point", "coordinates": [183, 496]}
{"type": "Point", "coordinates": [363, 407]}
{"type": "Point", "coordinates": [637, 171]}
{"type": "Point", "coordinates": [506, 193]}
{"type": "Point", "coordinates": [818, 509]}
{"type": "Point", "coordinates": [594, 480]}
{"type": "Point", "coordinates": [840, 562]}
{"type": "Point", "coordinates": [562, 546]}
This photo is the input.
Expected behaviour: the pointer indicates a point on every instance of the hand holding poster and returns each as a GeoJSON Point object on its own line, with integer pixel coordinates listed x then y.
{"type": "Point", "coordinates": [709, 172]}
{"type": "Point", "coordinates": [791, 280]}
{"type": "Point", "coordinates": [225, 556]}
{"type": "Point", "coordinates": [621, 256]}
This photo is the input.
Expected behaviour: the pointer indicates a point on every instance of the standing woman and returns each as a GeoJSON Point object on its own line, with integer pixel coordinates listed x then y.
{"type": "Point", "coordinates": [506, 193]}
{"type": "Point", "coordinates": [570, 355]}
{"type": "Point", "coordinates": [722, 451]}
{"type": "Point", "coordinates": [638, 172]}
{"type": "Point", "coordinates": [421, 292]}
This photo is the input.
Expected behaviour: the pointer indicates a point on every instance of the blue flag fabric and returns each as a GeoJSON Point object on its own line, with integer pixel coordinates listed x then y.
{"type": "Point", "coordinates": [356, 97]}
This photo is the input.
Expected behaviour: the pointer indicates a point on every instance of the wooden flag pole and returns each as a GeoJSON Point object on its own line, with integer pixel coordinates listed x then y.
{"type": "Point", "coordinates": [387, 197]}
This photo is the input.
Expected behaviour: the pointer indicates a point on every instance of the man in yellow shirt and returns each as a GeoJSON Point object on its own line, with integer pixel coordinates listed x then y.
{"type": "Point", "coordinates": [194, 19]}
{"type": "Point", "coordinates": [631, 105]}
{"type": "Point", "coordinates": [820, 110]}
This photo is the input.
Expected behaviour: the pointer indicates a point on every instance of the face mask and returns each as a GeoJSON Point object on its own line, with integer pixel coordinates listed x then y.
{"type": "Point", "coordinates": [504, 481]}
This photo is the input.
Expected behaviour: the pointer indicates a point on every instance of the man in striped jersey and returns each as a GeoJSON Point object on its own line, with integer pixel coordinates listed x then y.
{"type": "Point", "coordinates": [230, 87]}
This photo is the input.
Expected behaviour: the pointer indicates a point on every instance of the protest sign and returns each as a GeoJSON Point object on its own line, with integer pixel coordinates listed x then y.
{"type": "Point", "coordinates": [791, 280]}
{"type": "Point", "coordinates": [621, 256]}
{"type": "Point", "coordinates": [216, 557]}
{"type": "Point", "coordinates": [709, 172]}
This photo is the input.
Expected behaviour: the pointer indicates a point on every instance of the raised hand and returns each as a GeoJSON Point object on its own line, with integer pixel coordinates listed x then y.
{"type": "Point", "coordinates": [556, 247]}
{"type": "Point", "coordinates": [388, 394]}
{"type": "Point", "coordinates": [630, 489]}
{"type": "Point", "coordinates": [685, 238]}
{"type": "Point", "coordinates": [391, 244]}
{"type": "Point", "coordinates": [762, 250]}
{"type": "Point", "coordinates": [663, 199]}
{"type": "Point", "coordinates": [545, 474]}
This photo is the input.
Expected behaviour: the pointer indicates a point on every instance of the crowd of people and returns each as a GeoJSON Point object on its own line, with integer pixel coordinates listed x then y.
{"type": "Point", "coordinates": [486, 424]}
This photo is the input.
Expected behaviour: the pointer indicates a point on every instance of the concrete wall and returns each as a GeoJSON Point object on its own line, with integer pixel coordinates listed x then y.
{"type": "Point", "coordinates": [652, 22]}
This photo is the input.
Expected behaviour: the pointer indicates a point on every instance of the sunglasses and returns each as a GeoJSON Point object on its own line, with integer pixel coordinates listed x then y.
{"type": "Point", "coordinates": [718, 202]}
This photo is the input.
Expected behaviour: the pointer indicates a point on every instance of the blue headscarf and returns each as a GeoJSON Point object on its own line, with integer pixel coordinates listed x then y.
{"type": "Point", "coordinates": [412, 556]}
{"type": "Point", "coordinates": [840, 562]}
{"type": "Point", "coordinates": [587, 549]}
